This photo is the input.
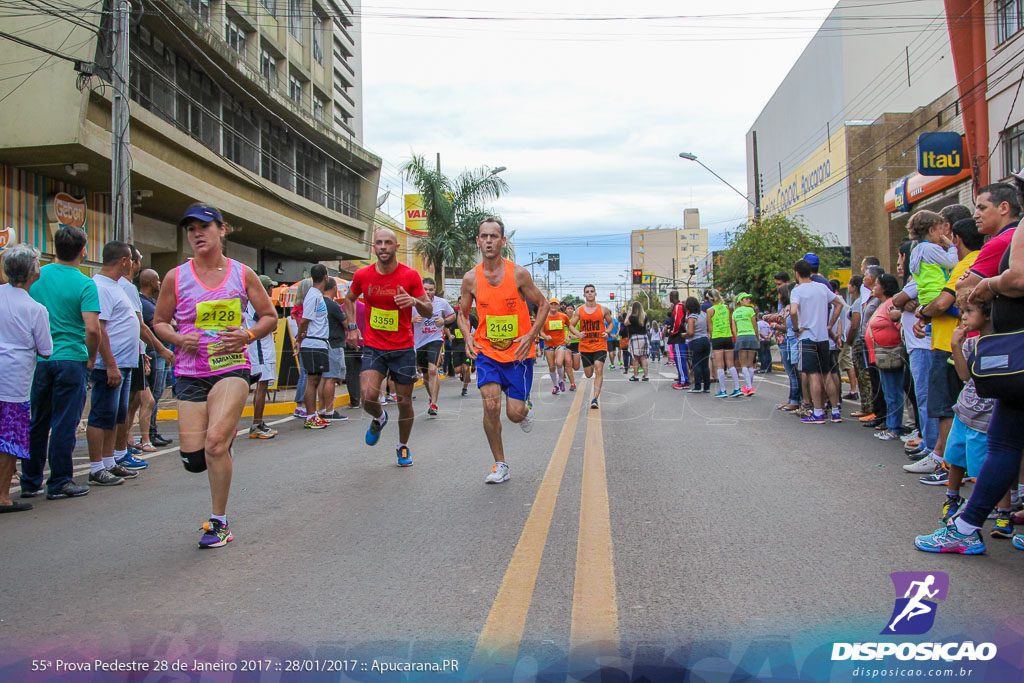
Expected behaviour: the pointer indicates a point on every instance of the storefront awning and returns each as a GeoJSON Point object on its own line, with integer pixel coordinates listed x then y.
{"type": "Point", "coordinates": [920, 186]}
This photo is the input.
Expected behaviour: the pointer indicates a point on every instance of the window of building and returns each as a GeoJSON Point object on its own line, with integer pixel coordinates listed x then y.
{"type": "Point", "coordinates": [202, 8]}
{"type": "Point", "coordinates": [270, 6]}
{"type": "Point", "coordinates": [309, 172]}
{"type": "Point", "coordinates": [318, 38]}
{"type": "Point", "coordinates": [241, 133]}
{"type": "Point", "coordinates": [277, 154]}
{"type": "Point", "coordinates": [295, 19]}
{"type": "Point", "coordinates": [295, 89]}
{"type": "Point", "coordinates": [1009, 18]}
{"type": "Point", "coordinates": [268, 68]}
{"type": "Point", "coordinates": [318, 108]}
{"type": "Point", "coordinates": [1013, 149]}
{"type": "Point", "coordinates": [342, 189]}
{"type": "Point", "coordinates": [235, 36]}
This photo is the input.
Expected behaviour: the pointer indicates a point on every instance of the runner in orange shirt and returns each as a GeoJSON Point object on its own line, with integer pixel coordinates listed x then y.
{"type": "Point", "coordinates": [593, 320]}
{"type": "Point", "coordinates": [556, 350]}
{"type": "Point", "coordinates": [504, 342]}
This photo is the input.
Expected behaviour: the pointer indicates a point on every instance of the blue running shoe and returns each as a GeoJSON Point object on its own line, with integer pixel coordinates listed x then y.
{"type": "Point", "coordinates": [950, 507]}
{"type": "Point", "coordinates": [132, 450]}
{"type": "Point", "coordinates": [375, 428]}
{"type": "Point", "coordinates": [736, 392]}
{"type": "Point", "coordinates": [130, 462]}
{"type": "Point", "coordinates": [813, 419]}
{"type": "Point", "coordinates": [404, 459]}
{"type": "Point", "coordinates": [949, 540]}
{"type": "Point", "coordinates": [1018, 542]}
{"type": "Point", "coordinates": [215, 534]}
{"type": "Point", "coordinates": [721, 394]}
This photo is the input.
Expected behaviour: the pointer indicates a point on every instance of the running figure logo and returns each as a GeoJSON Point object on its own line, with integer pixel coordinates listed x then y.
{"type": "Point", "coordinates": [914, 612]}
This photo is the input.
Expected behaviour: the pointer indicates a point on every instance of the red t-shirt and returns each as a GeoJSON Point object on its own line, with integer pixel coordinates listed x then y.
{"type": "Point", "coordinates": [388, 327]}
{"type": "Point", "coordinates": [987, 263]}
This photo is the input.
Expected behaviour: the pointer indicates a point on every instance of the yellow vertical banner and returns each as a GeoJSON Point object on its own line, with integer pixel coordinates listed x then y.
{"type": "Point", "coordinates": [415, 214]}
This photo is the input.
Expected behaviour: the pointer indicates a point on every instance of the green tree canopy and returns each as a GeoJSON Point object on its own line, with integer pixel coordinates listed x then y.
{"type": "Point", "coordinates": [759, 249]}
{"type": "Point", "coordinates": [454, 207]}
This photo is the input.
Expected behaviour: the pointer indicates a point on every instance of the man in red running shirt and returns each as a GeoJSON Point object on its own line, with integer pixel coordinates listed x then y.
{"type": "Point", "coordinates": [390, 291]}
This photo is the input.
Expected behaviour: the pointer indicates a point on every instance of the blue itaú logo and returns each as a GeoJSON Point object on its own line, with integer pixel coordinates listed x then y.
{"type": "Point", "coordinates": [914, 612]}
{"type": "Point", "coordinates": [940, 153]}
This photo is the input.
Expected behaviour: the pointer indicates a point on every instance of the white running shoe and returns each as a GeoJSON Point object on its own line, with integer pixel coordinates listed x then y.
{"type": "Point", "coordinates": [499, 473]}
{"type": "Point", "coordinates": [527, 424]}
{"type": "Point", "coordinates": [925, 465]}
{"type": "Point", "coordinates": [910, 437]}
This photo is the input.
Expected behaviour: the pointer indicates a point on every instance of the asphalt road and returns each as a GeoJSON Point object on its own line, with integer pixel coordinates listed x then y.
{"type": "Point", "coordinates": [665, 530]}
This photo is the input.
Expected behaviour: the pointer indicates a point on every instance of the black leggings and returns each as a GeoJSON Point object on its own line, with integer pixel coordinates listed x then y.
{"type": "Point", "coordinates": [700, 356]}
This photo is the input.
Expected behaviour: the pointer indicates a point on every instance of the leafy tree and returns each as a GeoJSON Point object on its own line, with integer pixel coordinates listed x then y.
{"type": "Point", "coordinates": [454, 207]}
{"type": "Point", "coordinates": [759, 249]}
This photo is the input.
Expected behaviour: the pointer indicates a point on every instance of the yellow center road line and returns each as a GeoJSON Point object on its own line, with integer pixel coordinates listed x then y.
{"type": "Point", "coordinates": [594, 629]}
{"type": "Point", "coordinates": [503, 630]}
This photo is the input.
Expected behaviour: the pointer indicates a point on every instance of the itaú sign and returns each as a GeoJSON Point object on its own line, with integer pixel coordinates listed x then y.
{"type": "Point", "coordinates": [825, 167]}
{"type": "Point", "coordinates": [940, 153]}
{"type": "Point", "coordinates": [64, 209]}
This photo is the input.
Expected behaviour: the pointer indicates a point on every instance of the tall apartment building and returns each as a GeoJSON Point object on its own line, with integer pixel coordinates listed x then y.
{"type": "Point", "coordinates": [253, 106]}
{"type": "Point", "coordinates": [665, 254]}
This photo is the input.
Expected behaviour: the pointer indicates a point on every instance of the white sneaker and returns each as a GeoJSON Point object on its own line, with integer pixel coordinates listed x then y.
{"type": "Point", "coordinates": [499, 473]}
{"type": "Point", "coordinates": [527, 424]}
{"type": "Point", "coordinates": [925, 465]}
{"type": "Point", "coordinates": [910, 437]}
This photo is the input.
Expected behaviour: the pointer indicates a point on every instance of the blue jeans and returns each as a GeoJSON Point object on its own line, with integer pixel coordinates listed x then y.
{"type": "Point", "coordinates": [788, 351]}
{"type": "Point", "coordinates": [1002, 465]}
{"type": "Point", "coordinates": [920, 367]}
{"type": "Point", "coordinates": [679, 351]}
{"type": "Point", "coordinates": [700, 355]}
{"type": "Point", "coordinates": [58, 397]}
{"type": "Point", "coordinates": [892, 387]}
{"type": "Point", "coordinates": [157, 382]}
{"type": "Point", "coordinates": [300, 387]}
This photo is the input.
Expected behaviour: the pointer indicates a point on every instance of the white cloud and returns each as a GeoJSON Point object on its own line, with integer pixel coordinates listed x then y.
{"type": "Point", "coordinates": [589, 117]}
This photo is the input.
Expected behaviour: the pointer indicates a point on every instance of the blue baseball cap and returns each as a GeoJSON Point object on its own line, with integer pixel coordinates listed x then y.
{"type": "Point", "coordinates": [202, 213]}
{"type": "Point", "coordinates": [812, 259]}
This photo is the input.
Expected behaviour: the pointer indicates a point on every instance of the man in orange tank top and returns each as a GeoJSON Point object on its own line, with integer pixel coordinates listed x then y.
{"type": "Point", "coordinates": [504, 342]}
{"type": "Point", "coordinates": [592, 320]}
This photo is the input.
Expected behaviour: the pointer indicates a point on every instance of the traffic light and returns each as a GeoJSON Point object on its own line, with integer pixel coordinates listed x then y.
{"type": "Point", "coordinates": [553, 262]}
{"type": "Point", "coordinates": [611, 297]}
{"type": "Point", "coordinates": [693, 269]}
{"type": "Point", "coordinates": [638, 276]}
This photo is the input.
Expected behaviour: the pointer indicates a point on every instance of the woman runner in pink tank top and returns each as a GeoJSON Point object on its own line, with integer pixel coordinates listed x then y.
{"type": "Point", "coordinates": [206, 296]}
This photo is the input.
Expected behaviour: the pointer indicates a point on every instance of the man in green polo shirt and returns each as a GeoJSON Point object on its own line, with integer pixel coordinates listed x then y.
{"type": "Point", "coordinates": [58, 386]}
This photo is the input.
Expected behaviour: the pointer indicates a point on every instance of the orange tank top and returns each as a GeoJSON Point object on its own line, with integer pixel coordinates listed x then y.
{"type": "Point", "coordinates": [503, 316]}
{"type": "Point", "coordinates": [591, 327]}
{"type": "Point", "coordinates": [556, 326]}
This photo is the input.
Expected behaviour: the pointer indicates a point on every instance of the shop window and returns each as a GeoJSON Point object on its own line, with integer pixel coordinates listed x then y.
{"type": "Point", "coordinates": [1013, 149]}
{"type": "Point", "coordinates": [1009, 19]}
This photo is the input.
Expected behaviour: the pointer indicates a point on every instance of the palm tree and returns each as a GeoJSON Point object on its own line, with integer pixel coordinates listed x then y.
{"type": "Point", "coordinates": [453, 208]}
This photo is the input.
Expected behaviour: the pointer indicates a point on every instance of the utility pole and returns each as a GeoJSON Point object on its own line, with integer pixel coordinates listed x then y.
{"type": "Point", "coordinates": [120, 165]}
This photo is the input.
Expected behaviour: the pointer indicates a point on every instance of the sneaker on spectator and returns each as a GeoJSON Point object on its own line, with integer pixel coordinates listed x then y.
{"type": "Point", "coordinates": [32, 493]}
{"type": "Point", "coordinates": [948, 540]}
{"type": "Point", "coordinates": [950, 507]}
{"type": "Point", "coordinates": [1003, 527]}
{"type": "Point", "coordinates": [300, 412]}
{"type": "Point", "coordinates": [922, 466]}
{"type": "Point", "coordinates": [912, 436]}
{"type": "Point", "coordinates": [69, 490]}
{"type": "Point", "coordinates": [104, 478]}
{"type": "Point", "coordinates": [130, 462]}
{"type": "Point", "coordinates": [333, 416]}
{"type": "Point", "coordinates": [852, 396]}
{"type": "Point", "coordinates": [887, 436]}
{"type": "Point", "coordinates": [1018, 542]}
{"type": "Point", "coordinates": [938, 477]}
{"type": "Point", "coordinates": [123, 472]}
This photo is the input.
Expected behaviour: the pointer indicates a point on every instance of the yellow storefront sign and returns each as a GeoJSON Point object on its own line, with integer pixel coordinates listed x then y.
{"type": "Point", "coordinates": [415, 214]}
{"type": "Point", "coordinates": [825, 167]}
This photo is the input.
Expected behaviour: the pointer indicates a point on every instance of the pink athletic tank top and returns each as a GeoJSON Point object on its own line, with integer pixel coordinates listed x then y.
{"type": "Point", "coordinates": [205, 310]}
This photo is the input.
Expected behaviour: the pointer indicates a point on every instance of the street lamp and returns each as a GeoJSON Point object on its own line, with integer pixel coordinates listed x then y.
{"type": "Point", "coordinates": [693, 157]}
{"type": "Point", "coordinates": [499, 170]}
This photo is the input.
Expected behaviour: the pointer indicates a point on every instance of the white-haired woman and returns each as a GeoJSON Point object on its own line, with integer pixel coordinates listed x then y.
{"type": "Point", "coordinates": [24, 335]}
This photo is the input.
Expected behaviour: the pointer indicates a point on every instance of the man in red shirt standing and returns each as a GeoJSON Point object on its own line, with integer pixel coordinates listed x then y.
{"type": "Point", "coordinates": [996, 212]}
{"type": "Point", "coordinates": [390, 290]}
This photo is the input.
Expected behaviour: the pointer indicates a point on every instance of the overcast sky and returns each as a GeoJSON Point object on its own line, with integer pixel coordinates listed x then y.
{"type": "Point", "coordinates": [588, 113]}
